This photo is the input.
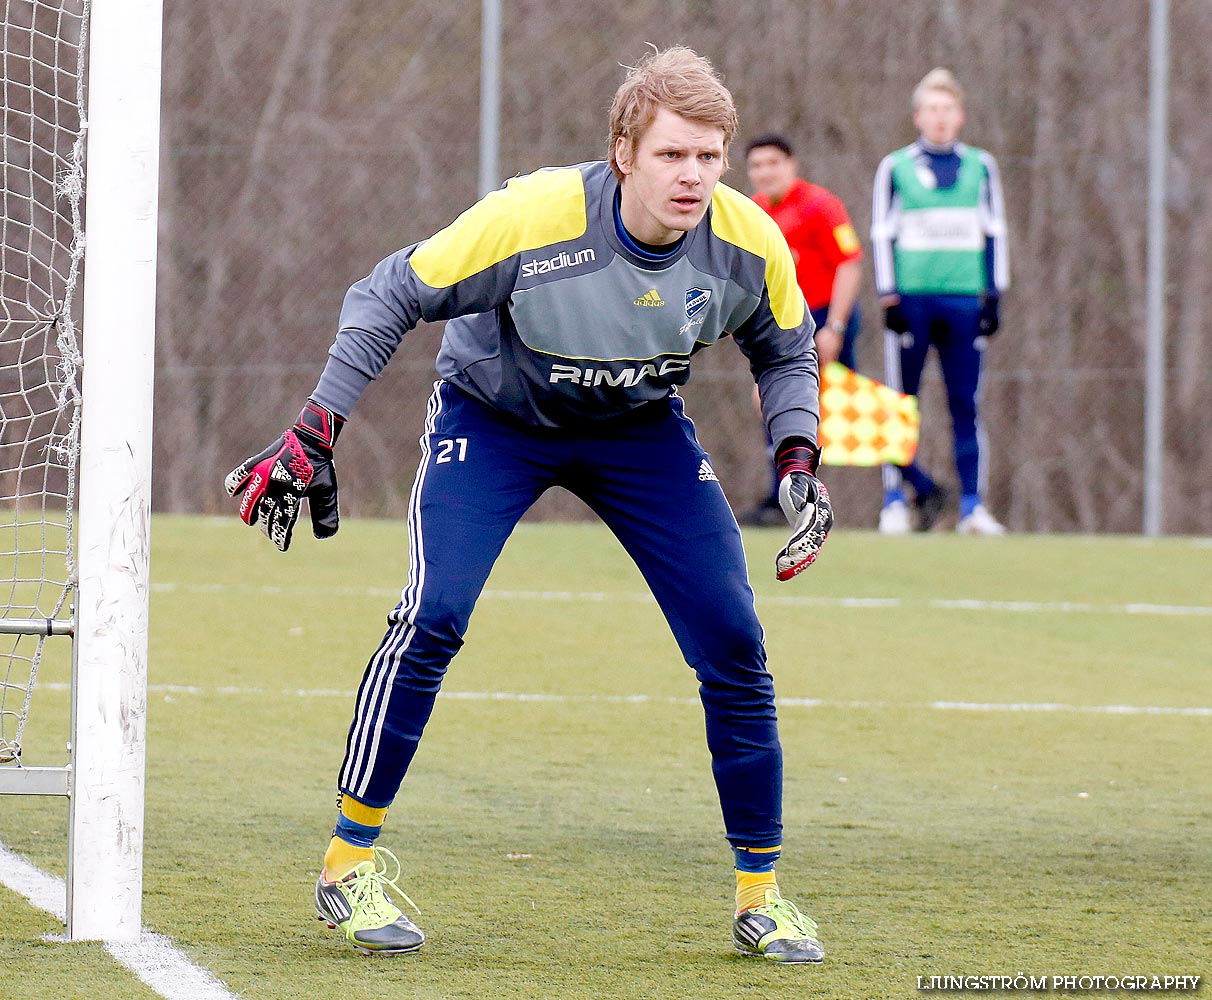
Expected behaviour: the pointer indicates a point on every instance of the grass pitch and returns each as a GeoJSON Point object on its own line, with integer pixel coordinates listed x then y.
{"type": "Point", "coordinates": [973, 787]}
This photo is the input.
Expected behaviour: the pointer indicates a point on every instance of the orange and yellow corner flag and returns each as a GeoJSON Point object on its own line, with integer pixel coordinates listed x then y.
{"type": "Point", "coordinates": [863, 422]}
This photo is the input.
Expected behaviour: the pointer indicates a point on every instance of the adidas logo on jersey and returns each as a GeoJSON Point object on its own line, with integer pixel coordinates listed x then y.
{"type": "Point", "coordinates": [707, 473]}
{"type": "Point", "coordinates": [650, 299]}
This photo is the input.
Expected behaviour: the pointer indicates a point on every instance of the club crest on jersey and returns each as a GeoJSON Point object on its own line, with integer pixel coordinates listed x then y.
{"type": "Point", "coordinates": [696, 301]}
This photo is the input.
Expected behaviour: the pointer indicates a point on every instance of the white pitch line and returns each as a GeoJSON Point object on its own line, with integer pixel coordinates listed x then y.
{"type": "Point", "coordinates": [166, 969]}
{"type": "Point", "coordinates": [1049, 706]}
{"type": "Point", "coordinates": [945, 706]}
{"type": "Point", "coordinates": [153, 958]}
{"type": "Point", "coordinates": [793, 600]}
{"type": "Point", "coordinates": [649, 699]}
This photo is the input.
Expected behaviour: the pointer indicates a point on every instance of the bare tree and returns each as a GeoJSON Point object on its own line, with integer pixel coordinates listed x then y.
{"type": "Point", "coordinates": [304, 141]}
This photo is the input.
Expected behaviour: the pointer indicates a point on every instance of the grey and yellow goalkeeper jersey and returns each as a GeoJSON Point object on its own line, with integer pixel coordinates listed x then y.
{"type": "Point", "coordinates": [555, 322]}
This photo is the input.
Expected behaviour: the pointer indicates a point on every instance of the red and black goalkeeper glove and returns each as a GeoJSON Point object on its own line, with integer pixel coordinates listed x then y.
{"type": "Point", "coordinates": [273, 483]}
{"type": "Point", "coordinates": [805, 503]}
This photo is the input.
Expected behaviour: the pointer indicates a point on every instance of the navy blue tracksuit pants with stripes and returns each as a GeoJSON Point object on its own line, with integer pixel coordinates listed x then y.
{"type": "Point", "coordinates": [651, 483]}
{"type": "Point", "coordinates": [951, 324]}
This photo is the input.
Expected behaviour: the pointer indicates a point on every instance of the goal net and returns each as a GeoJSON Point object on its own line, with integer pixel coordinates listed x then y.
{"type": "Point", "coordinates": [41, 251]}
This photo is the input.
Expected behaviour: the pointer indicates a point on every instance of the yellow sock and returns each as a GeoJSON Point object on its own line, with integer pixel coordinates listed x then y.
{"type": "Point", "coordinates": [751, 889]}
{"type": "Point", "coordinates": [342, 857]}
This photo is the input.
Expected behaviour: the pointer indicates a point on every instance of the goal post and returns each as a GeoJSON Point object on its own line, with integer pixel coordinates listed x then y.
{"type": "Point", "coordinates": [93, 466]}
{"type": "Point", "coordinates": [109, 703]}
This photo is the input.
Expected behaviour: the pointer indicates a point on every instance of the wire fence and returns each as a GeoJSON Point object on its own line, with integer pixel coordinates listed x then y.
{"type": "Point", "coordinates": [305, 141]}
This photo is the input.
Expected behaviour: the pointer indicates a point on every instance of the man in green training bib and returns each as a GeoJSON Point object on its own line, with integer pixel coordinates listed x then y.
{"type": "Point", "coordinates": [938, 235]}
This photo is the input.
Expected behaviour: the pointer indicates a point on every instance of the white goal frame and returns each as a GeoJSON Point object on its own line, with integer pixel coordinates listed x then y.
{"type": "Point", "coordinates": [109, 702]}
{"type": "Point", "coordinates": [105, 775]}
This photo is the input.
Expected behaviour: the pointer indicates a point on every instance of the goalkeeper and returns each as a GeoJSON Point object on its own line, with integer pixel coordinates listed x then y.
{"type": "Point", "coordinates": [576, 298]}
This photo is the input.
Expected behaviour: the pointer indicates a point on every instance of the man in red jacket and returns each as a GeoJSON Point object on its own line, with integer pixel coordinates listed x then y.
{"type": "Point", "coordinates": [828, 262]}
{"type": "Point", "coordinates": [828, 257]}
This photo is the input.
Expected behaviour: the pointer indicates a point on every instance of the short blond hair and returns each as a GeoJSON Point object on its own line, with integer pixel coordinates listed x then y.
{"type": "Point", "coordinates": [676, 78]}
{"type": "Point", "coordinates": [938, 78]}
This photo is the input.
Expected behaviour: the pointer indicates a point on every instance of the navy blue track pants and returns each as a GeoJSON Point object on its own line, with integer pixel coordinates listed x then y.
{"type": "Point", "coordinates": [652, 484]}
{"type": "Point", "coordinates": [949, 323]}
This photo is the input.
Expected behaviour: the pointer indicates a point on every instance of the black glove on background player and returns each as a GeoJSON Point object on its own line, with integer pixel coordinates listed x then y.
{"type": "Point", "coordinates": [990, 318]}
{"type": "Point", "coordinates": [805, 503]}
{"type": "Point", "coordinates": [895, 319]}
{"type": "Point", "coordinates": [297, 465]}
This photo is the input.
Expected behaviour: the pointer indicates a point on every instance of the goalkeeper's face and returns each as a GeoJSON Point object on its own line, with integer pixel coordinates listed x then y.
{"type": "Point", "coordinates": [669, 176]}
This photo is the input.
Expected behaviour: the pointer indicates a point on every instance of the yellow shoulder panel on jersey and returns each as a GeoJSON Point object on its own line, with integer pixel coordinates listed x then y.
{"type": "Point", "coordinates": [739, 221]}
{"type": "Point", "coordinates": [530, 212]}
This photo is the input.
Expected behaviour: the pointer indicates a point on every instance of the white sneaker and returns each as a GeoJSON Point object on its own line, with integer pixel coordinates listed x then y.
{"type": "Point", "coordinates": [980, 522]}
{"type": "Point", "coordinates": [894, 519]}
